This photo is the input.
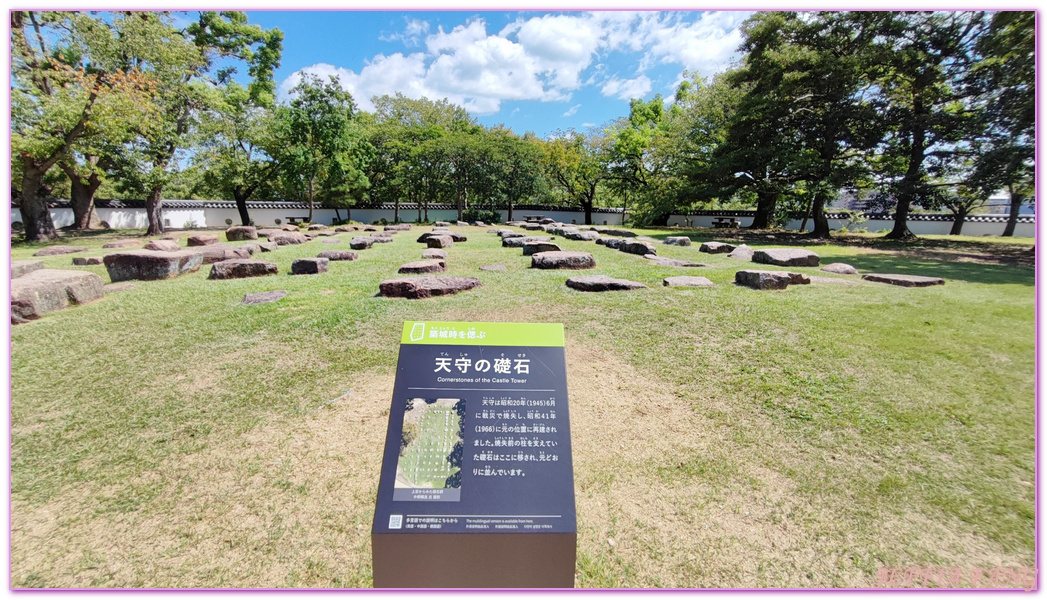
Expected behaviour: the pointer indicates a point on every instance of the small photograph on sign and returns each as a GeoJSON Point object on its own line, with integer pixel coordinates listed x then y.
{"type": "Point", "coordinates": [431, 447]}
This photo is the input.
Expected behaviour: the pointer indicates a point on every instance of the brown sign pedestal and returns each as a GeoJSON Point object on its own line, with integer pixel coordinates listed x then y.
{"type": "Point", "coordinates": [474, 560]}
{"type": "Point", "coordinates": [477, 486]}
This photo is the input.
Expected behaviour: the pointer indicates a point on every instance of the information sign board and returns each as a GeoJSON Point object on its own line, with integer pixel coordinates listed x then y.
{"type": "Point", "coordinates": [477, 486]}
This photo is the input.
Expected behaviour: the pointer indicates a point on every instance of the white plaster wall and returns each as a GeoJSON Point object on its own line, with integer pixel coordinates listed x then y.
{"type": "Point", "coordinates": [135, 218]}
{"type": "Point", "coordinates": [874, 225]}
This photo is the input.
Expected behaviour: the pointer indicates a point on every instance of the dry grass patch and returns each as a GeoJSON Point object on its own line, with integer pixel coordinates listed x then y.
{"type": "Point", "coordinates": [669, 497]}
{"type": "Point", "coordinates": [287, 504]}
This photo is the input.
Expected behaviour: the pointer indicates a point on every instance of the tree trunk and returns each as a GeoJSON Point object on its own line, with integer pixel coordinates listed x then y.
{"type": "Point", "coordinates": [589, 212]}
{"type": "Point", "coordinates": [35, 216]}
{"type": "Point", "coordinates": [1012, 217]}
{"type": "Point", "coordinates": [510, 210]}
{"type": "Point", "coordinates": [241, 205]}
{"type": "Point", "coordinates": [957, 222]}
{"type": "Point", "coordinates": [396, 210]}
{"type": "Point", "coordinates": [821, 222]}
{"type": "Point", "coordinates": [765, 204]}
{"type": "Point", "coordinates": [807, 215]}
{"type": "Point", "coordinates": [82, 195]}
{"type": "Point", "coordinates": [310, 200]}
{"type": "Point", "coordinates": [154, 206]}
{"type": "Point", "coordinates": [907, 189]}
{"type": "Point", "coordinates": [338, 217]}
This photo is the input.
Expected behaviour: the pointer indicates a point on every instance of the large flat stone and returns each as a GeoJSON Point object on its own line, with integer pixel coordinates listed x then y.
{"type": "Point", "coordinates": [46, 290]}
{"type": "Point", "coordinates": [338, 255]}
{"type": "Point", "coordinates": [240, 268]}
{"type": "Point", "coordinates": [288, 238]}
{"type": "Point", "coordinates": [162, 246]}
{"type": "Point", "coordinates": [21, 267]}
{"type": "Point", "coordinates": [639, 247]}
{"type": "Point", "coordinates": [270, 232]}
{"type": "Point", "coordinates": [331, 241]}
{"type": "Point", "coordinates": [58, 250]}
{"type": "Point", "coordinates": [687, 281]}
{"type": "Point", "coordinates": [742, 252]}
{"type": "Point", "coordinates": [218, 252]}
{"type": "Point", "coordinates": [610, 243]}
{"type": "Point", "coordinates": [426, 286]}
{"type": "Point", "coordinates": [455, 237]}
{"type": "Point", "coordinates": [398, 227]}
{"type": "Point", "coordinates": [763, 280]}
{"type": "Point", "coordinates": [677, 240]}
{"type": "Point", "coordinates": [147, 265]}
{"type": "Point", "coordinates": [239, 233]}
{"type": "Point", "coordinates": [123, 244]}
{"type": "Point", "coordinates": [361, 243]}
{"type": "Point", "coordinates": [530, 248]}
{"type": "Point", "coordinates": [439, 241]}
{"type": "Point", "coordinates": [201, 240]}
{"type": "Point", "coordinates": [840, 269]}
{"type": "Point", "coordinates": [904, 280]}
{"type": "Point", "coordinates": [601, 283]}
{"type": "Point", "coordinates": [716, 248]}
{"type": "Point", "coordinates": [520, 242]}
{"type": "Point", "coordinates": [83, 261]}
{"type": "Point", "coordinates": [562, 260]}
{"type": "Point", "coordinates": [786, 257]}
{"type": "Point", "coordinates": [582, 236]}
{"type": "Point", "coordinates": [434, 253]}
{"type": "Point", "coordinates": [309, 266]}
{"type": "Point", "coordinates": [423, 266]}
{"type": "Point", "coordinates": [263, 297]}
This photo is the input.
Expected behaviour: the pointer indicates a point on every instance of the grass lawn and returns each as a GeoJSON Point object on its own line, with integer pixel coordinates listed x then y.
{"type": "Point", "coordinates": [170, 436]}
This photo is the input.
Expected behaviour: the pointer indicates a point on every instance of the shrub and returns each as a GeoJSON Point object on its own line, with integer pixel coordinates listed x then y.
{"type": "Point", "coordinates": [477, 214]}
{"type": "Point", "coordinates": [190, 224]}
{"type": "Point", "coordinates": [228, 221]}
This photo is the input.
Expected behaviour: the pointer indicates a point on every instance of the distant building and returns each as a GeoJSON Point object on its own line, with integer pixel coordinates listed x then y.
{"type": "Point", "coordinates": [1000, 204]}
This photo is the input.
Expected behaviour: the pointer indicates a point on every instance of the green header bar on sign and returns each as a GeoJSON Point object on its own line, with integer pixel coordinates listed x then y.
{"type": "Point", "coordinates": [445, 333]}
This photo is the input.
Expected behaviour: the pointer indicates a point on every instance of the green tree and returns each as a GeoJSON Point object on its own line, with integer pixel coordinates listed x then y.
{"type": "Point", "coordinates": [519, 161]}
{"type": "Point", "coordinates": [573, 161]}
{"type": "Point", "coordinates": [403, 167]}
{"type": "Point", "coordinates": [187, 72]}
{"type": "Point", "coordinates": [806, 116]}
{"type": "Point", "coordinates": [71, 81]}
{"type": "Point", "coordinates": [1004, 82]}
{"type": "Point", "coordinates": [235, 145]}
{"type": "Point", "coordinates": [322, 151]}
{"type": "Point", "coordinates": [921, 58]}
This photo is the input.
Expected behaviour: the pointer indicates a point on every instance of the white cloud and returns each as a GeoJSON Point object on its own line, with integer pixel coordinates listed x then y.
{"type": "Point", "coordinates": [543, 58]}
{"type": "Point", "coordinates": [413, 28]}
{"type": "Point", "coordinates": [706, 45]}
{"type": "Point", "coordinates": [571, 111]}
{"type": "Point", "coordinates": [627, 89]}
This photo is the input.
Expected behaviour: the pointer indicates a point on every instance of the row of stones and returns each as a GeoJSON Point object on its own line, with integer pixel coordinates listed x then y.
{"type": "Point", "coordinates": [48, 290]}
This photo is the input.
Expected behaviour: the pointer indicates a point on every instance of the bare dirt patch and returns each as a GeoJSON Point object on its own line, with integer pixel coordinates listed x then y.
{"type": "Point", "coordinates": [666, 497]}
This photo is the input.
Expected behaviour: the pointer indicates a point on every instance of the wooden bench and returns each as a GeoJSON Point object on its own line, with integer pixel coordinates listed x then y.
{"type": "Point", "coordinates": [295, 220]}
{"type": "Point", "coordinates": [725, 222]}
{"type": "Point", "coordinates": [532, 218]}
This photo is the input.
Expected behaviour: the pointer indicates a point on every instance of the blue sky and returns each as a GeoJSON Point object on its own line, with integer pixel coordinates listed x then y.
{"type": "Point", "coordinates": [533, 70]}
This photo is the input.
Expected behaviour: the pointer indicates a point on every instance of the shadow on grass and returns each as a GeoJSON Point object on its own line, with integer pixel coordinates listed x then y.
{"type": "Point", "coordinates": [929, 267]}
